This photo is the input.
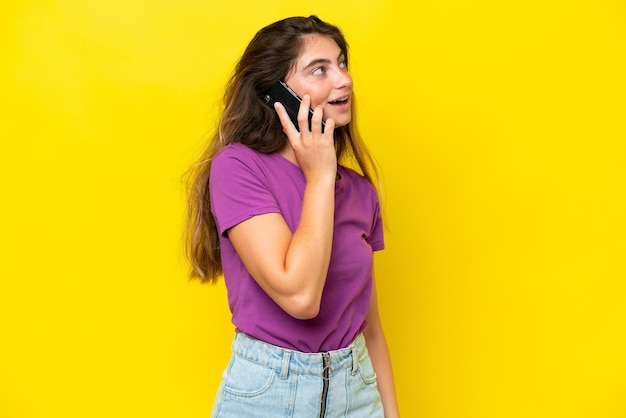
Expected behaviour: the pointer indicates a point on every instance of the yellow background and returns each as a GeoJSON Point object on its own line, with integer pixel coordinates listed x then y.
{"type": "Point", "coordinates": [500, 130]}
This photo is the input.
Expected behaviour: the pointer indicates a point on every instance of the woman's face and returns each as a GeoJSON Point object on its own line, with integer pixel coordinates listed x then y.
{"type": "Point", "coordinates": [320, 71]}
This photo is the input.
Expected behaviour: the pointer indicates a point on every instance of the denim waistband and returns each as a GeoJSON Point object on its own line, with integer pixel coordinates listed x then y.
{"type": "Point", "coordinates": [290, 361]}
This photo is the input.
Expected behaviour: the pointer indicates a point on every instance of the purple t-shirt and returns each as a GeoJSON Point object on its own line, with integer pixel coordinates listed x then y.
{"type": "Point", "coordinates": [245, 183]}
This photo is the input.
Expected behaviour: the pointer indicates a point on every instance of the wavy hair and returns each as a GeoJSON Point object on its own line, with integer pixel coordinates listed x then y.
{"type": "Point", "coordinates": [269, 57]}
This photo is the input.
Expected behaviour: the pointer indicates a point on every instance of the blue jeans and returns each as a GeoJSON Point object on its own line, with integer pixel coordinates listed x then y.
{"type": "Point", "coordinates": [263, 380]}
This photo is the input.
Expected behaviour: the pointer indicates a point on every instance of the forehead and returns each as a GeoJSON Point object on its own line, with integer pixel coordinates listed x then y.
{"type": "Point", "coordinates": [315, 47]}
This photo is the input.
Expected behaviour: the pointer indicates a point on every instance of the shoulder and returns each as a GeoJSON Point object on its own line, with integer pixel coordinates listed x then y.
{"type": "Point", "coordinates": [356, 180]}
{"type": "Point", "coordinates": [235, 157]}
{"type": "Point", "coordinates": [349, 173]}
{"type": "Point", "coordinates": [235, 151]}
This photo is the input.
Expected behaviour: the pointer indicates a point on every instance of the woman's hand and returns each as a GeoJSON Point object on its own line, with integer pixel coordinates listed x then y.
{"type": "Point", "coordinates": [314, 150]}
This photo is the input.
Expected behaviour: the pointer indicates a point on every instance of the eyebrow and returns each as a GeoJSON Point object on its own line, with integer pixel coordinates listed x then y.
{"type": "Point", "coordinates": [321, 61]}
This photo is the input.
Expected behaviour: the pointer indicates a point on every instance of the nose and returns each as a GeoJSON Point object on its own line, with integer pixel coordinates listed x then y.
{"type": "Point", "coordinates": [343, 79]}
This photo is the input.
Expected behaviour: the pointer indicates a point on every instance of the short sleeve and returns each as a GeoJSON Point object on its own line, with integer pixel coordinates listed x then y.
{"type": "Point", "coordinates": [376, 238]}
{"type": "Point", "coordinates": [238, 188]}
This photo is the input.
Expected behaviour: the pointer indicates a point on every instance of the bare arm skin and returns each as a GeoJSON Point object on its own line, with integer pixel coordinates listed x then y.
{"type": "Point", "coordinates": [292, 268]}
{"type": "Point", "coordinates": [379, 353]}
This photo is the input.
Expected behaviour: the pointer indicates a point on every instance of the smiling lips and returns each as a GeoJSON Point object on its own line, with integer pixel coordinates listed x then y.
{"type": "Point", "coordinates": [339, 101]}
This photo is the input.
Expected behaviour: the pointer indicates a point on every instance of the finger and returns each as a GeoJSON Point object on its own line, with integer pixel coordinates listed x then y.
{"type": "Point", "coordinates": [303, 114]}
{"type": "Point", "coordinates": [330, 127]}
{"type": "Point", "coordinates": [316, 120]}
{"type": "Point", "coordinates": [285, 121]}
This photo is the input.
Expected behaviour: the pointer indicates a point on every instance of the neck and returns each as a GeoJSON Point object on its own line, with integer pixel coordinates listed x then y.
{"type": "Point", "coordinates": [287, 152]}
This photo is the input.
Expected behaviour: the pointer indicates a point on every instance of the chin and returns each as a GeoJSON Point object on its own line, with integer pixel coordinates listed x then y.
{"type": "Point", "coordinates": [341, 121]}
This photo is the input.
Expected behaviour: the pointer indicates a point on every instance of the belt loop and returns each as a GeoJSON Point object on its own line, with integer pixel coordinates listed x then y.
{"type": "Point", "coordinates": [284, 371]}
{"type": "Point", "coordinates": [355, 358]}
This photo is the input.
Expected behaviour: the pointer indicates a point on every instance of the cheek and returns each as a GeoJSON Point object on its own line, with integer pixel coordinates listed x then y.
{"type": "Point", "coordinates": [318, 97]}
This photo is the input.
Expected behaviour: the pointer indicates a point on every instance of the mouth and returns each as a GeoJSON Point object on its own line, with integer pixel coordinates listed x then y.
{"type": "Point", "coordinates": [340, 101]}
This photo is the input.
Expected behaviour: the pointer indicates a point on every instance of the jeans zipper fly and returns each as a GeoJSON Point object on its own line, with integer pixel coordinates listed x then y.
{"type": "Point", "coordinates": [325, 379]}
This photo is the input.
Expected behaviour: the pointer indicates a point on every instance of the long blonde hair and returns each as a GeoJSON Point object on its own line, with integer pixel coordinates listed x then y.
{"type": "Point", "coordinates": [246, 119]}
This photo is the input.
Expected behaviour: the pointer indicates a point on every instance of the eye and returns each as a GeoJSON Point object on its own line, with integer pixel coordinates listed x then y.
{"type": "Point", "coordinates": [319, 71]}
{"type": "Point", "coordinates": [343, 64]}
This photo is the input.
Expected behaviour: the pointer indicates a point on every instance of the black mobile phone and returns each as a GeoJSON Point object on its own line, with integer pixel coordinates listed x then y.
{"type": "Point", "coordinates": [281, 92]}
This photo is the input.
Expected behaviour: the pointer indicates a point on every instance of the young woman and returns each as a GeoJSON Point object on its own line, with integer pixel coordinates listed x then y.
{"type": "Point", "coordinates": [293, 230]}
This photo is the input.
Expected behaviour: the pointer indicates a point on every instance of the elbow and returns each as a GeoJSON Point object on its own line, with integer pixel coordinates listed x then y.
{"type": "Point", "coordinates": [304, 314]}
{"type": "Point", "coordinates": [303, 307]}
{"type": "Point", "coordinates": [299, 300]}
